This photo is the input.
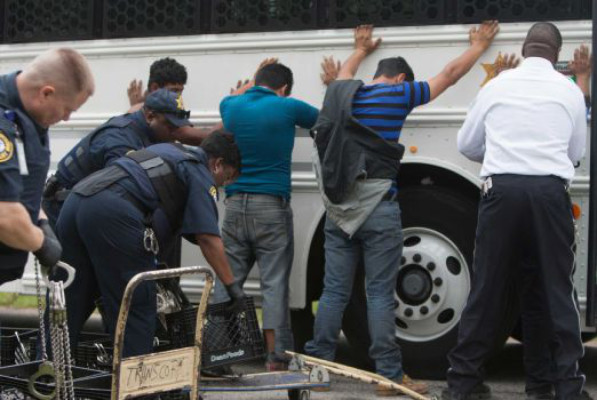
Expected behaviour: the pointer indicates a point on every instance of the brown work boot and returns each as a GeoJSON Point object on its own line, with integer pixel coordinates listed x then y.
{"type": "Point", "coordinates": [419, 387]}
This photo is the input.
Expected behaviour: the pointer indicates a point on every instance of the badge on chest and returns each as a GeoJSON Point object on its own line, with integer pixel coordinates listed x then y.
{"type": "Point", "coordinates": [6, 148]}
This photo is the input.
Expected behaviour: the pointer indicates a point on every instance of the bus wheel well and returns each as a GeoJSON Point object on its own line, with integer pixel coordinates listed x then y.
{"type": "Point", "coordinates": [414, 174]}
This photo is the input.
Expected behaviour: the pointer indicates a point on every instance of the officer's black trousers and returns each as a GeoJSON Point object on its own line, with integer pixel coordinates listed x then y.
{"type": "Point", "coordinates": [102, 237]}
{"type": "Point", "coordinates": [525, 233]}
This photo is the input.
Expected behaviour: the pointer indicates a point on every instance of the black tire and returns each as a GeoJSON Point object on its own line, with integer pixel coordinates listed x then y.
{"type": "Point", "coordinates": [298, 394]}
{"type": "Point", "coordinates": [452, 215]}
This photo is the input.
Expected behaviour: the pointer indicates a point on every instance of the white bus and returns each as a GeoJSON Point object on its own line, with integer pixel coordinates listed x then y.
{"type": "Point", "coordinates": [221, 41]}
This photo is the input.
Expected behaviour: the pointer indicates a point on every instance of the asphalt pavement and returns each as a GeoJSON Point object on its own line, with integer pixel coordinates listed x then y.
{"type": "Point", "coordinates": [505, 375]}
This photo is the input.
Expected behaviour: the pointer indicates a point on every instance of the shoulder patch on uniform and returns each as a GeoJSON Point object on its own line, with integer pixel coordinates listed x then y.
{"type": "Point", "coordinates": [6, 148]}
{"type": "Point", "coordinates": [214, 193]}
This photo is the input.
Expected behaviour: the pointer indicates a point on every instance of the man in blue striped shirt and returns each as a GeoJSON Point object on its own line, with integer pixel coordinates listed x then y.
{"type": "Point", "coordinates": [382, 106]}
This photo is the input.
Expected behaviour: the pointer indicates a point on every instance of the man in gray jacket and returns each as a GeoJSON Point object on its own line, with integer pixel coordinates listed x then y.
{"type": "Point", "coordinates": [379, 109]}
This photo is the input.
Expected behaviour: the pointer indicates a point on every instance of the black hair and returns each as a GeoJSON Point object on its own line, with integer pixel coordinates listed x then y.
{"type": "Point", "coordinates": [221, 144]}
{"type": "Point", "coordinates": [394, 66]}
{"type": "Point", "coordinates": [167, 70]}
{"type": "Point", "coordinates": [274, 76]}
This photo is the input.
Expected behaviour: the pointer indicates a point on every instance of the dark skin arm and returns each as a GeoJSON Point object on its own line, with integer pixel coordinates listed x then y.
{"type": "Point", "coordinates": [212, 248]}
{"type": "Point", "coordinates": [194, 135]}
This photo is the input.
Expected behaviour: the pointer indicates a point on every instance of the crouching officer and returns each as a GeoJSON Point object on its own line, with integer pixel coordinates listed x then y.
{"type": "Point", "coordinates": [114, 222]}
{"type": "Point", "coordinates": [162, 114]}
{"type": "Point", "coordinates": [48, 90]}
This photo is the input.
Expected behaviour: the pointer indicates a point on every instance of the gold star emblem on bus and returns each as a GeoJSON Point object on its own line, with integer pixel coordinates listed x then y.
{"type": "Point", "coordinates": [492, 70]}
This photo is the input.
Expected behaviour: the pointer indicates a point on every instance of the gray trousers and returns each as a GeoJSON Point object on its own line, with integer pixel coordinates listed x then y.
{"type": "Point", "coordinates": [258, 228]}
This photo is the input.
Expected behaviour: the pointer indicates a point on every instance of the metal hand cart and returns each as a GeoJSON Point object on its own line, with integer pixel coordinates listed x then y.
{"type": "Point", "coordinates": [179, 369]}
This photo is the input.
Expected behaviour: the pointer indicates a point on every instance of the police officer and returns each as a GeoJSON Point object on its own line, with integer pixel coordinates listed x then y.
{"type": "Point", "coordinates": [116, 219]}
{"type": "Point", "coordinates": [161, 115]}
{"type": "Point", "coordinates": [48, 90]}
{"type": "Point", "coordinates": [528, 128]}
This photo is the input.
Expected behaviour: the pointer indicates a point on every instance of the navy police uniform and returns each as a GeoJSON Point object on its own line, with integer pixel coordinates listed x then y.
{"type": "Point", "coordinates": [24, 163]}
{"type": "Point", "coordinates": [106, 144]}
{"type": "Point", "coordinates": [98, 149]}
{"type": "Point", "coordinates": [104, 228]}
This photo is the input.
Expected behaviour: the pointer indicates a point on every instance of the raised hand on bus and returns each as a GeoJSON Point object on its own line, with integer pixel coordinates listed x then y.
{"type": "Point", "coordinates": [242, 87]}
{"type": "Point", "coordinates": [484, 34]}
{"type": "Point", "coordinates": [506, 61]}
{"type": "Point", "coordinates": [363, 46]}
{"type": "Point", "coordinates": [580, 66]}
{"type": "Point", "coordinates": [135, 92]}
{"type": "Point", "coordinates": [480, 39]}
{"type": "Point", "coordinates": [330, 69]}
{"type": "Point", "coordinates": [363, 39]}
{"type": "Point", "coordinates": [267, 61]}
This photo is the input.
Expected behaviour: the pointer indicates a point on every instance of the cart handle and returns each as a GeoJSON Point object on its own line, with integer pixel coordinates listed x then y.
{"type": "Point", "coordinates": [126, 302]}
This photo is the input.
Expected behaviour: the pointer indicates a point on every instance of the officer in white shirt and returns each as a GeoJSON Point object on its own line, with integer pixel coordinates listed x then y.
{"type": "Point", "coordinates": [528, 128]}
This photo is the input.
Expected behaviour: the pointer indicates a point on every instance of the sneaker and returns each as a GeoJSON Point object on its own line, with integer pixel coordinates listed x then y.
{"type": "Point", "coordinates": [407, 382]}
{"type": "Point", "coordinates": [480, 392]}
{"type": "Point", "coordinates": [276, 362]}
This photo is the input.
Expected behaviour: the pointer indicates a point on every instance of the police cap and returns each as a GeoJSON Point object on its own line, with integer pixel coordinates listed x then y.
{"type": "Point", "coordinates": [169, 103]}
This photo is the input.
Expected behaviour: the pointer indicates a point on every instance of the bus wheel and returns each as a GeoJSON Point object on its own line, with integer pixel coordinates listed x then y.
{"type": "Point", "coordinates": [433, 282]}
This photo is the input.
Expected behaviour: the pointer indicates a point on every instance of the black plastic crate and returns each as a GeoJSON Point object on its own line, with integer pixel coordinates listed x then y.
{"type": "Point", "coordinates": [474, 11]}
{"type": "Point", "coordinates": [45, 20]}
{"type": "Point", "coordinates": [227, 338]}
{"type": "Point", "coordinates": [350, 13]}
{"type": "Point", "coordinates": [9, 343]}
{"type": "Point", "coordinates": [96, 351]}
{"type": "Point", "coordinates": [263, 15]}
{"type": "Point", "coordinates": [17, 377]}
{"type": "Point", "coordinates": [124, 18]}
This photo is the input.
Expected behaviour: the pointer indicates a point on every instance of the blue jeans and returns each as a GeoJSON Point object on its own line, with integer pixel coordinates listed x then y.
{"type": "Point", "coordinates": [259, 228]}
{"type": "Point", "coordinates": [379, 243]}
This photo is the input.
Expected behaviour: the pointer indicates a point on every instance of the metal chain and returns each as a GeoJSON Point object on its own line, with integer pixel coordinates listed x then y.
{"type": "Point", "coordinates": [60, 343]}
{"type": "Point", "coordinates": [42, 325]}
{"type": "Point", "coordinates": [57, 356]}
{"type": "Point", "coordinates": [69, 389]}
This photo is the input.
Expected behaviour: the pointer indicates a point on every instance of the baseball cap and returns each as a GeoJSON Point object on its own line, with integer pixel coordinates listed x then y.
{"type": "Point", "coordinates": [169, 104]}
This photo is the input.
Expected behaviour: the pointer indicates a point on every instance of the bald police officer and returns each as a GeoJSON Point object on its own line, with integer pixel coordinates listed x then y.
{"type": "Point", "coordinates": [155, 122]}
{"type": "Point", "coordinates": [48, 90]}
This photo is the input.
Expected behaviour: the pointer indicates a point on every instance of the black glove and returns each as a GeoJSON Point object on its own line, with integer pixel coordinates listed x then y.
{"type": "Point", "coordinates": [237, 298]}
{"type": "Point", "coordinates": [51, 250]}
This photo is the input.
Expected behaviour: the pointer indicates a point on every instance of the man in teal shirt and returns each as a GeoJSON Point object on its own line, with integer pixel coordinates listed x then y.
{"type": "Point", "coordinates": [258, 224]}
